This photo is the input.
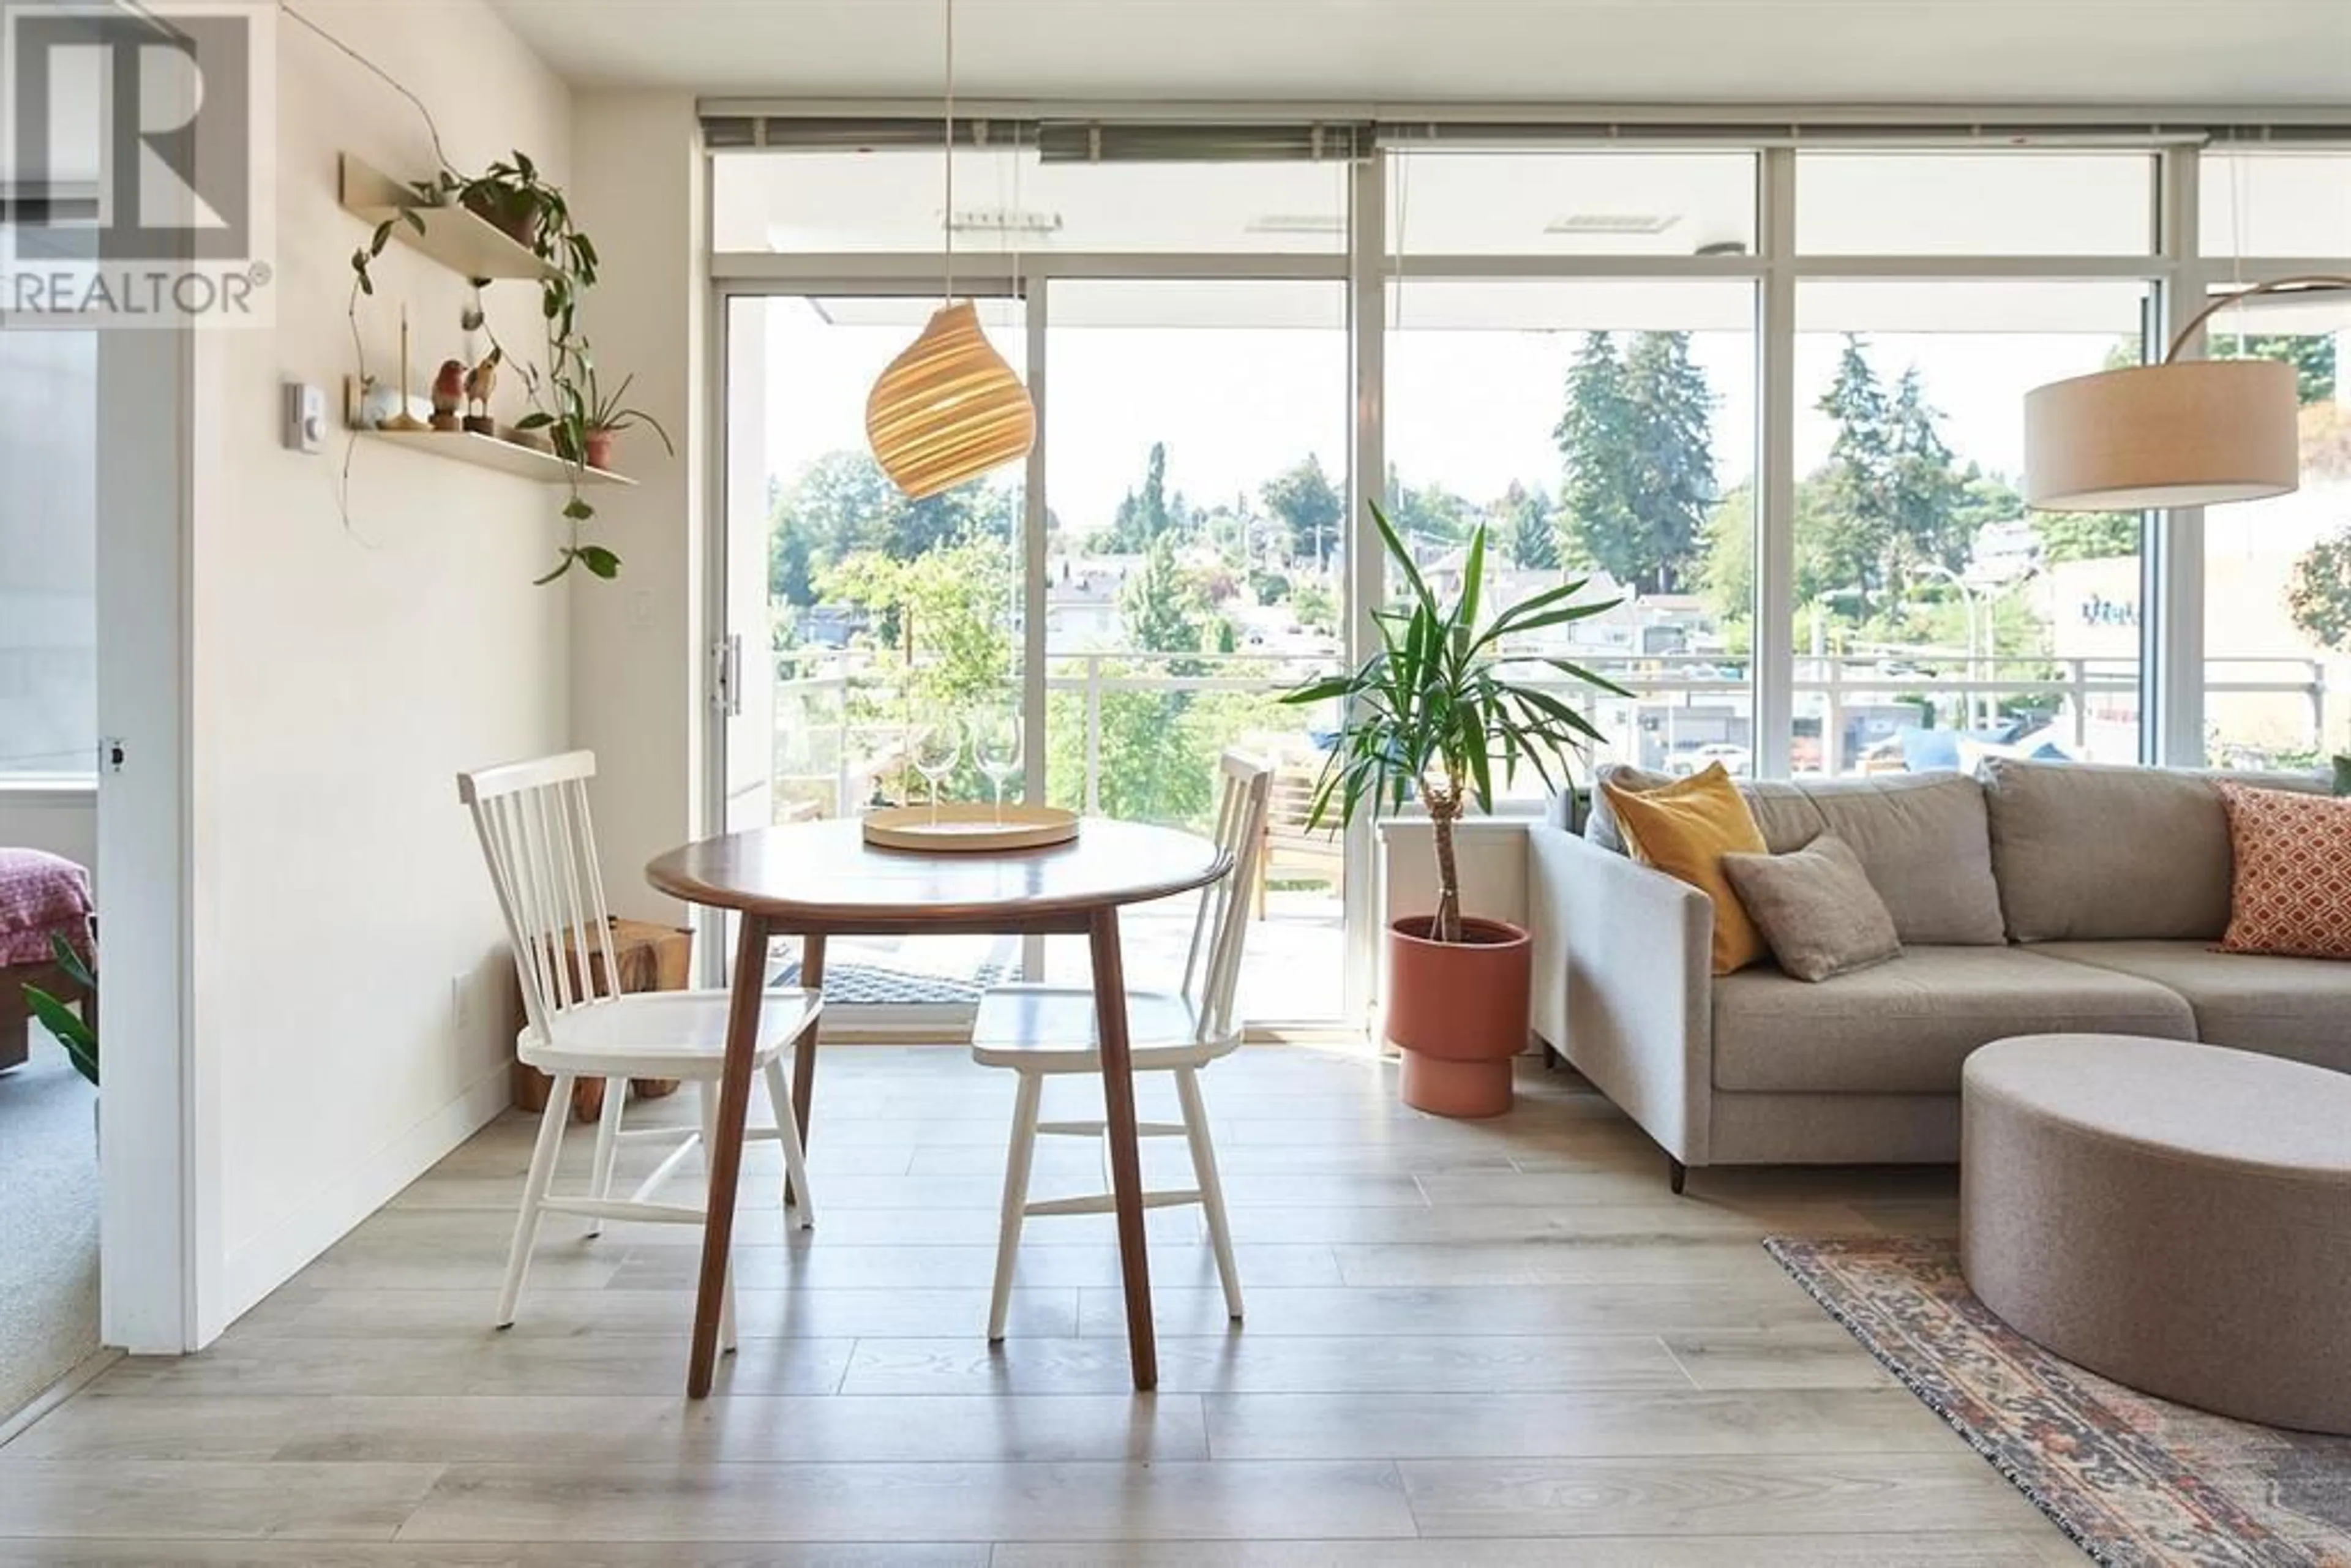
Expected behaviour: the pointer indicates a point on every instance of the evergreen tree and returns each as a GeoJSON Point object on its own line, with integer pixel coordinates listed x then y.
{"type": "Point", "coordinates": [1143, 517]}
{"type": "Point", "coordinates": [1674, 484]}
{"type": "Point", "coordinates": [1855, 527]}
{"type": "Point", "coordinates": [1595, 437]}
{"type": "Point", "coordinates": [1926, 491]}
{"type": "Point", "coordinates": [1528, 531]}
{"type": "Point", "coordinates": [1639, 452]}
{"type": "Point", "coordinates": [1313, 510]}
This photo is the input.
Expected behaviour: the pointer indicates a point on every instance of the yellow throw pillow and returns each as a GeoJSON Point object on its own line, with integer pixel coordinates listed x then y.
{"type": "Point", "coordinates": [1684, 830]}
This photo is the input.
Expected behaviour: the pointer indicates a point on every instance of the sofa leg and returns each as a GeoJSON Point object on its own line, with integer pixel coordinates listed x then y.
{"type": "Point", "coordinates": [1677, 1173]}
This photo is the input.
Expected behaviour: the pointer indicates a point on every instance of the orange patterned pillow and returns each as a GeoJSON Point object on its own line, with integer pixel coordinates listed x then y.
{"type": "Point", "coordinates": [2293, 892]}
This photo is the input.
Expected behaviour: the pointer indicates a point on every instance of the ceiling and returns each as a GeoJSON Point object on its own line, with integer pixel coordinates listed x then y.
{"type": "Point", "coordinates": [1890, 52]}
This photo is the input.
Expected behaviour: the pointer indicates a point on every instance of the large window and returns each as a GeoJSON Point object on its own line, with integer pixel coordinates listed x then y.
{"type": "Point", "coordinates": [49, 584]}
{"type": "Point", "coordinates": [1936, 618]}
{"type": "Point", "coordinates": [1602, 430]}
{"type": "Point", "coordinates": [1655, 357]}
{"type": "Point", "coordinates": [2277, 574]}
{"type": "Point", "coordinates": [1196, 477]}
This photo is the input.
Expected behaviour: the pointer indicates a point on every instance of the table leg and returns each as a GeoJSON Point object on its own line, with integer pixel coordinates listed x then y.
{"type": "Point", "coordinates": [725, 1152]}
{"type": "Point", "coordinates": [804, 1048]}
{"type": "Point", "coordinates": [1125, 1160]}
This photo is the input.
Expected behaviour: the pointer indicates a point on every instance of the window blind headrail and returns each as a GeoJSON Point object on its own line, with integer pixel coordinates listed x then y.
{"type": "Point", "coordinates": [1104, 139]}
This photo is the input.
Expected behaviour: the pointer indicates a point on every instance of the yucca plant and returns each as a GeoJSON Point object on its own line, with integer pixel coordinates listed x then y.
{"type": "Point", "coordinates": [1432, 716]}
{"type": "Point", "coordinates": [71, 1031]}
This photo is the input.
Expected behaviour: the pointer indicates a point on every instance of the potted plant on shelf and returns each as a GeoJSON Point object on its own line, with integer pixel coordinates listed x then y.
{"type": "Point", "coordinates": [1433, 716]}
{"type": "Point", "coordinates": [512, 196]}
{"type": "Point", "coordinates": [588, 419]}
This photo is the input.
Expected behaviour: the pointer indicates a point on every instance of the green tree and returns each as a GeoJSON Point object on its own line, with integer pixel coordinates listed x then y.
{"type": "Point", "coordinates": [2318, 594]}
{"type": "Point", "coordinates": [2312, 355]}
{"type": "Point", "coordinates": [1528, 530]}
{"type": "Point", "coordinates": [1432, 512]}
{"type": "Point", "coordinates": [1144, 516]}
{"type": "Point", "coordinates": [842, 505]}
{"type": "Point", "coordinates": [1674, 482]}
{"type": "Point", "coordinates": [1600, 523]}
{"type": "Point", "coordinates": [1853, 530]}
{"type": "Point", "coordinates": [1635, 438]}
{"type": "Point", "coordinates": [1313, 510]}
{"type": "Point", "coordinates": [1317, 609]}
{"type": "Point", "coordinates": [1162, 608]}
{"type": "Point", "coordinates": [2086, 536]}
{"type": "Point", "coordinates": [1927, 492]}
{"type": "Point", "coordinates": [956, 600]}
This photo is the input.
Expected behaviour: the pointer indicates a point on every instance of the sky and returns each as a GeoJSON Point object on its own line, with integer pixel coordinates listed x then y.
{"type": "Point", "coordinates": [1472, 408]}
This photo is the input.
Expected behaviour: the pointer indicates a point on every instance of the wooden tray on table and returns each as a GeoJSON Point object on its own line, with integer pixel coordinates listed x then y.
{"type": "Point", "coordinates": [969, 827]}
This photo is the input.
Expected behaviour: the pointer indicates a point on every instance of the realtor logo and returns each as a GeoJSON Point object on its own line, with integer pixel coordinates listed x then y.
{"type": "Point", "coordinates": [132, 173]}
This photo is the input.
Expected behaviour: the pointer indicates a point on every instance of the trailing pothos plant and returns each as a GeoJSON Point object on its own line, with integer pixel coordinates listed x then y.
{"type": "Point", "coordinates": [512, 196]}
{"type": "Point", "coordinates": [1432, 713]}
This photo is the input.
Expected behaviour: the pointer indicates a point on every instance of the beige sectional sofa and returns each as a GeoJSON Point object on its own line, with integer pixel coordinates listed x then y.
{"type": "Point", "coordinates": [2037, 898]}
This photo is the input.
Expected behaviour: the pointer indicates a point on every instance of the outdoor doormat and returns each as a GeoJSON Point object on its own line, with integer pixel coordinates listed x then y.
{"type": "Point", "coordinates": [2131, 1478]}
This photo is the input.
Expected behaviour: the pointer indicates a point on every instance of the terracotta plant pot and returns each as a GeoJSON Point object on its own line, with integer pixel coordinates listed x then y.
{"type": "Point", "coordinates": [1457, 1011]}
{"type": "Point", "coordinates": [598, 447]}
{"type": "Point", "coordinates": [513, 215]}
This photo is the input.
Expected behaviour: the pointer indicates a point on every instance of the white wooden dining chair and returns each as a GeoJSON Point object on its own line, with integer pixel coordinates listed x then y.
{"type": "Point", "coordinates": [540, 845]}
{"type": "Point", "coordinates": [1042, 1030]}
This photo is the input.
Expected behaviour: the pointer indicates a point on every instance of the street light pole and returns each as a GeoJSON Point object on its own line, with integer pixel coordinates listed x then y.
{"type": "Point", "coordinates": [1967, 598]}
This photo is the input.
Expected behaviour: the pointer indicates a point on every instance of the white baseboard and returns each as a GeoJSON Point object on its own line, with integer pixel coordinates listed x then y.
{"type": "Point", "coordinates": [268, 1260]}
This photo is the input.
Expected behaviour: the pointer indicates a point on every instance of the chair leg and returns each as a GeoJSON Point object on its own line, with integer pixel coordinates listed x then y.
{"type": "Point", "coordinates": [707, 1093]}
{"type": "Point", "coordinates": [608, 1145]}
{"type": "Point", "coordinates": [1016, 1198]}
{"type": "Point", "coordinates": [788, 1133]}
{"type": "Point", "coordinates": [1212, 1191]}
{"type": "Point", "coordinates": [543, 1152]}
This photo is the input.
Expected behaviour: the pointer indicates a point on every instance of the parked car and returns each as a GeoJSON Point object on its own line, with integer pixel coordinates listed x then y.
{"type": "Point", "coordinates": [1737, 760]}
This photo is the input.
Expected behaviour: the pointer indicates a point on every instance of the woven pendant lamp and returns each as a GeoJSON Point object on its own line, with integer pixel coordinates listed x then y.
{"type": "Point", "coordinates": [948, 409]}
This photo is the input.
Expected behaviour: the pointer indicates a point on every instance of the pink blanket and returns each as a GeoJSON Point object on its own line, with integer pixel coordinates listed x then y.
{"type": "Point", "coordinates": [41, 894]}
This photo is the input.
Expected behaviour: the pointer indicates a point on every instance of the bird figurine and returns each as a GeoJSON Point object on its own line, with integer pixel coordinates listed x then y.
{"type": "Point", "coordinates": [479, 383]}
{"type": "Point", "coordinates": [448, 393]}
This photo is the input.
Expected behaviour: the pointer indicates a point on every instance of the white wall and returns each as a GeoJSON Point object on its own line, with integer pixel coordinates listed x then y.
{"type": "Point", "coordinates": [62, 821]}
{"type": "Point", "coordinates": [343, 673]}
{"type": "Point", "coordinates": [640, 645]}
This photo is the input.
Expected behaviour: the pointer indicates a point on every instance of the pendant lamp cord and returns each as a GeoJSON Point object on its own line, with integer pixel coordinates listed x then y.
{"type": "Point", "coordinates": [948, 219]}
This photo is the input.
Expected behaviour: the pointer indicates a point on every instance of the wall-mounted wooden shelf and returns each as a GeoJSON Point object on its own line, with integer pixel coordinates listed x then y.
{"type": "Point", "coordinates": [489, 452]}
{"type": "Point", "coordinates": [459, 240]}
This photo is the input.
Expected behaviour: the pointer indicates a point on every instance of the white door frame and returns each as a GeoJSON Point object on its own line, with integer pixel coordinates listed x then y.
{"type": "Point", "coordinates": [148, 1232]}
{"type": "Point", "coordinates": [158, 1155]}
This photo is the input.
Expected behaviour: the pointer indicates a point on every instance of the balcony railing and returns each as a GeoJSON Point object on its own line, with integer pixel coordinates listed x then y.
{"type": "Point", "coordinates": [841, 715]}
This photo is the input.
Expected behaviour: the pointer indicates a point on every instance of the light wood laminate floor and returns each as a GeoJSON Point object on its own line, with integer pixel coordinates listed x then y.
{"type": "Point", "coordinates": [1482, 1343]}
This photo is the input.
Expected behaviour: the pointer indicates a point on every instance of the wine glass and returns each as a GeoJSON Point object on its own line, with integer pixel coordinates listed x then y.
{"type": "Point", "coordinates": [936, 747]}
{"type": "Point", "coordinates": [995, 749]}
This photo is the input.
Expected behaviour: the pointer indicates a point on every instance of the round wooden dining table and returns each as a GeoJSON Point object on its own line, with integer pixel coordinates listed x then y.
{"type": "Point", "coordinates": [819, 879]}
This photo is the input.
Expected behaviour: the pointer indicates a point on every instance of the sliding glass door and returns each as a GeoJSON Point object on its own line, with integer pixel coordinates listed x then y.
{"type": "Point", "coordinates": [854, 619]}
{"type": "Point", "coordinates": [1196, 495]}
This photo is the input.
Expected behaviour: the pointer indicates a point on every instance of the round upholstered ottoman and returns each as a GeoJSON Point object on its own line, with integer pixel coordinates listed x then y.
{"type": "Point", "coordinates": [2175, 1217]}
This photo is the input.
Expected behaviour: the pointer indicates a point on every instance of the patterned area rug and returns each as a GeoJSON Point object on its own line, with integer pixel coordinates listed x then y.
{"type": "Point", "coordinates": [2131, 1480]}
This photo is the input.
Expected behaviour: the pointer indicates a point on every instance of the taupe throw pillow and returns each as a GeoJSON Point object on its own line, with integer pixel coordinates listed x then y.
{"type": "Point", "coordinates": [1815, 907]}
